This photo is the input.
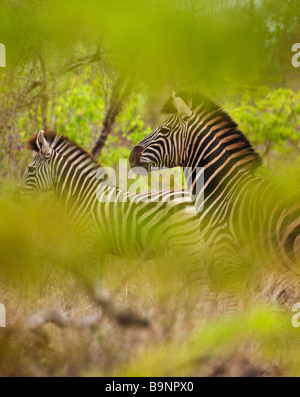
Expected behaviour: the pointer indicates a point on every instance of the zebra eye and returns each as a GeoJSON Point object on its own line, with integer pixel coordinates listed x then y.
{"type": "Point", "coordinates": [31, 168]}
{"type": "Point", "coordinates": [164, 130]}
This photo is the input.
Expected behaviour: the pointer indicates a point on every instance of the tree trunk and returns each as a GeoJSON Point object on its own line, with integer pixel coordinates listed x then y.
{"type": "Point", "coordinates": [120, 93]}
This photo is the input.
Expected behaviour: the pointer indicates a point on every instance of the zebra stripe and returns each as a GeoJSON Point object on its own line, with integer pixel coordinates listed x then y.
{"type": "Point", "coordinates": [237, 210]}
{"type": "Point", "coordinates": [128, 224]}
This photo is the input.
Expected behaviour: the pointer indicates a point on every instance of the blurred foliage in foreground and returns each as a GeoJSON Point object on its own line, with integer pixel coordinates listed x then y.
{"type": "Point", "coordinates": [71, 65]}
{"type": "Point", "coordinates": [158, 40]}
{"type": "Point", "coordinates": [189, 334]}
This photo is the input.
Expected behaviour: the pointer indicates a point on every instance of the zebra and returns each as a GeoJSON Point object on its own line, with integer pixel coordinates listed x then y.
{"type": "Point", "coordinates": [242, 217]}
{"type": "Point", "coordinates": [130, 226]}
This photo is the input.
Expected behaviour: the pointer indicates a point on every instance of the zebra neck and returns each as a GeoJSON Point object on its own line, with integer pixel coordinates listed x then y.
{"type": "Point", "coordinates": [208, 182]}
{"type": "Point", "coordinates": [76, 186]}
{"type": "Point", "coordinates": [195, 183]}
{"type": "Point", "coordinates": [218, 155]}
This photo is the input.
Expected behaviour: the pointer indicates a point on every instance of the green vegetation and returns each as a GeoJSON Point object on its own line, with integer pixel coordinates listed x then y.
{"type": "Point", "coordinates": [102, 70]}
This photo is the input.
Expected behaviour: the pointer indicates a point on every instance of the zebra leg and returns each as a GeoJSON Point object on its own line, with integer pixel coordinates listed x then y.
{"type": "Point", "coordinates": [230, 277]}
{"type": "Point", "coordinates": [90, 261]}
{"type": "Point", "coordinates": [191, 259]}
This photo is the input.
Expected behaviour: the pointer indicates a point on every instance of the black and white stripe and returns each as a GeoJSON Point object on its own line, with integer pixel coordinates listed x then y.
{"type": "Point", "coordinates": [243, 218]}
{"type": "Point", "coordinates": [130, 225]}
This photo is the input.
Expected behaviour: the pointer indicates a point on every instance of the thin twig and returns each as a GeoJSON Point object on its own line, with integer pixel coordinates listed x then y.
{"type": "Point", "coordinates": [43, 316]}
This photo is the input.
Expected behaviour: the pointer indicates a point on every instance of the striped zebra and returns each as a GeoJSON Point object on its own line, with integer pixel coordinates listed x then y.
{"type": "Point", "coordinates": [243, 218]}
{"type": "Point", "coordinates": [129, 225]}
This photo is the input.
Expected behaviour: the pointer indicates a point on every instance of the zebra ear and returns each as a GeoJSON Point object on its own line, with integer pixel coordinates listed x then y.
{"type": "Point", "coordinates": [42, 144]}
{"type": "Point", "coordinates": [181, 106]}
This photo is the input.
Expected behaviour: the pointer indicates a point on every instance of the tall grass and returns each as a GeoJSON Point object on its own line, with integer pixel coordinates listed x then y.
{"type": "Point", "coordinates": [189, 332]}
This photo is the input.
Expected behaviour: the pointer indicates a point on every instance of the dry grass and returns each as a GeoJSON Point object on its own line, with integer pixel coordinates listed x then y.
{"type": "Point", "coordinates": [187, 335]}
{"type": "Point", "coordinates": [189, 332]}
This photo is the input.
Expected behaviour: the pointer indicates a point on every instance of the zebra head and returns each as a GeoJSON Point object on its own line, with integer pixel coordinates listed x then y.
{"type": "Point", "coordinates": [166, 146]}
{"type": "Point", "coordinates": [197, 132]}
{"type": "Point", "coordinates": [38, 176]}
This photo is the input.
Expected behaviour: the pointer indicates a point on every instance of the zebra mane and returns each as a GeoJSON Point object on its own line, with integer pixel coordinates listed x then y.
{"type": "Point", "coordinates": [55, 140]}
{"type": "Point", "coordinates": [199, 103]}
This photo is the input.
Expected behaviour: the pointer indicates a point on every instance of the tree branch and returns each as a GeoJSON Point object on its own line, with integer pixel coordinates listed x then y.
{"type": "Point", "coordinates": [43, 316]}
{"type": "Point", "coordinates": [124, 317]}
{"type": "Point", "coordinates": [120, 93]}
